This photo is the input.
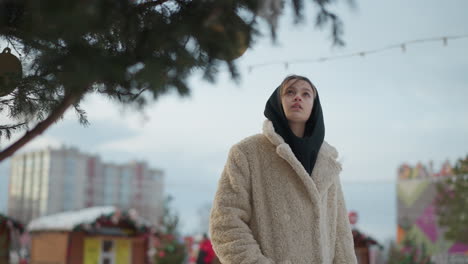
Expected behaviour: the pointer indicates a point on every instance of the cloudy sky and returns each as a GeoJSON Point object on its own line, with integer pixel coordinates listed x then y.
{"type": "Point", "coordinates": [380, 110]}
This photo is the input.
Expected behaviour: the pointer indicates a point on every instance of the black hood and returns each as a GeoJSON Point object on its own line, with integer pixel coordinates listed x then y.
{"type": "Point", "coordinates": [307, 148]}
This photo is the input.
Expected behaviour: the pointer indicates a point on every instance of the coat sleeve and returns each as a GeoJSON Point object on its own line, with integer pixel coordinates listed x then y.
{"type": "Point", "coordinates": [344, 247]}
{"type": "Point", "coordinates": [231, 236]}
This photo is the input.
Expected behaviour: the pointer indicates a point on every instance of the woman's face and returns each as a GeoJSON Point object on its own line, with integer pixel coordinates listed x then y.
{"type": "Point", "coordinates": [297, 98]}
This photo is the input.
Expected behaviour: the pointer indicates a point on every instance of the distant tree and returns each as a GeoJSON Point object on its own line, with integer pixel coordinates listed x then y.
{"type": "Point", "coordinates": [170, 220]}
{"type": "Point", "coordinates": [170, 249]}
{"type": "Point", "coordinates": [452, 201]}
{"type": "Point", "coordinates": [129, 50]}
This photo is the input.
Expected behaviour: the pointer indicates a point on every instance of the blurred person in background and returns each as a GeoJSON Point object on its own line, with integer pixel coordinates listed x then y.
{"type": "Point", "coordinates": [205, 251]}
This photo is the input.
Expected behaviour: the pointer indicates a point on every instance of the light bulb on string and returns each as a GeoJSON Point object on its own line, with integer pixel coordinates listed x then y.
{"type": "Point", "coordinates": [362, 54]}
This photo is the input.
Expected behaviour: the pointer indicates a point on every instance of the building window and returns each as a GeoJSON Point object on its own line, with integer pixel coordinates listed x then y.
{"type": "Point", "coordinates": [107, 252]}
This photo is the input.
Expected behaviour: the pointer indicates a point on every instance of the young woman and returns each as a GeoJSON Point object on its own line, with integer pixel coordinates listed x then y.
{"type": "Point", "coordinates": [279, 199]}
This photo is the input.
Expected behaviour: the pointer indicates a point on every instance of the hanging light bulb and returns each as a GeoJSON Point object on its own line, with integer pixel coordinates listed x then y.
{"type": "Point", "coordinates": [403, 48]}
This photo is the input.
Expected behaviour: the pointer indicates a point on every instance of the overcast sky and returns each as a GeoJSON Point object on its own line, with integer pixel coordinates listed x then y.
{"type": "Point", "coordinates": [380, 110]}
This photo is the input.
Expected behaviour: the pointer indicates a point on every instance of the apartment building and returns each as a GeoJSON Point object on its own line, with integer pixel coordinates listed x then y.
{"type": "Point", "coordinates": [54, 180]}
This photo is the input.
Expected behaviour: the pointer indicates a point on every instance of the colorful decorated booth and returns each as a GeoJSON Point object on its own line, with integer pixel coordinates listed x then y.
{"type": "Point", "coordinates": [418, 221]}
{"type": "Point", "coordinates": [93, 235]}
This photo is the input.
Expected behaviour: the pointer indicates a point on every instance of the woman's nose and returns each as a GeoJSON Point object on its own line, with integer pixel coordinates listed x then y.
{"type": "Point", "coordinates": [297, 98]}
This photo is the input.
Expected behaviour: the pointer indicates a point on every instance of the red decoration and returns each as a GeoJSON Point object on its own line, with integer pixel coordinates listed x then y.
{"type": "Point", "coordinates": [353, 217]}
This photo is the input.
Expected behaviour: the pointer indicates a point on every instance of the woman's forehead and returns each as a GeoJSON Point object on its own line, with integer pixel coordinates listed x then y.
{"type": "Point", "coordinates": [298, 84]}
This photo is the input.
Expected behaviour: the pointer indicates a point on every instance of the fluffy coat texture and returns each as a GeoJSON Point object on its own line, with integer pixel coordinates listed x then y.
{"type": "Point", "coordinates": [268, 209]}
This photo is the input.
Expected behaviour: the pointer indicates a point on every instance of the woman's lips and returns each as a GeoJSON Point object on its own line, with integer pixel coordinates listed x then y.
{"type": "Point", "coordinates": [296, 106]}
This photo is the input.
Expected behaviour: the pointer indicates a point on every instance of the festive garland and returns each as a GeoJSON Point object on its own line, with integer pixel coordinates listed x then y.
{"type": "Point", "coordinates": [121, 220]}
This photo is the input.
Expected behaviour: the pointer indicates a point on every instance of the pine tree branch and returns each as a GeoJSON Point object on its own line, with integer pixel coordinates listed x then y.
{"type": "Point", "coordinates": [68, 100]}
{"type": "Point", "coordinates": [151, 3]}
{"type": "Point", "coordinates": [13, 45]}
{"type": "Point", "coordinates": [12, 126]}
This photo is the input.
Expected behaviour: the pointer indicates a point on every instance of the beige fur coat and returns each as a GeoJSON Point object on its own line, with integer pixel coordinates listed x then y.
{"type": "Point", "coordinates": [267, 208]}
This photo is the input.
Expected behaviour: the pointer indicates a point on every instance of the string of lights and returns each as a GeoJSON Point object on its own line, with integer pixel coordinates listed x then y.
{"type": "Point", "coordinates": [361, 54]}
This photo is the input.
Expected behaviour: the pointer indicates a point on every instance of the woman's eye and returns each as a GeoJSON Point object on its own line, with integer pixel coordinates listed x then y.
{"type": "Point", "coordinates": [289, 92]}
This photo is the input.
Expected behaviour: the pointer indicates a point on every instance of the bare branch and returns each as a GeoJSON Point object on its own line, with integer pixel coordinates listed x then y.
{"type": "Point", "coordinates": [68, 100]}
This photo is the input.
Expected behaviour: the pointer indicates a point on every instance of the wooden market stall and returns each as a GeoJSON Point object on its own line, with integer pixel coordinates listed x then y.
{"type": "Point", "coordinates": [363, 245]}
{"type": "Point", "coordinates": [93, 235]}
{"type": "Point", "coordinates": [10, 232]}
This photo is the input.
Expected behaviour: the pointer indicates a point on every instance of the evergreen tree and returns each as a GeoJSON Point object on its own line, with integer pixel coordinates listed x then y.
{"type": "Point", "coordinates": [452, 201]}
{"type": "Point", "coordinates": [170, 219]}
{"type": "Point", "coordinates": [130, 50]}
{"type": "Point", "coordinates": [170, 250]}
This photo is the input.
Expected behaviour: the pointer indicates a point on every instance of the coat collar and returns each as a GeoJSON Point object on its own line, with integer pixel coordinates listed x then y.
{"type": "Point", "coordinates": [326, 169]}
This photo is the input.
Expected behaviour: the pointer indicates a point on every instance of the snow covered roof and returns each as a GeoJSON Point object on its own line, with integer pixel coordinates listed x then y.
{"type": "Point", "coordinates": [67, 221]}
